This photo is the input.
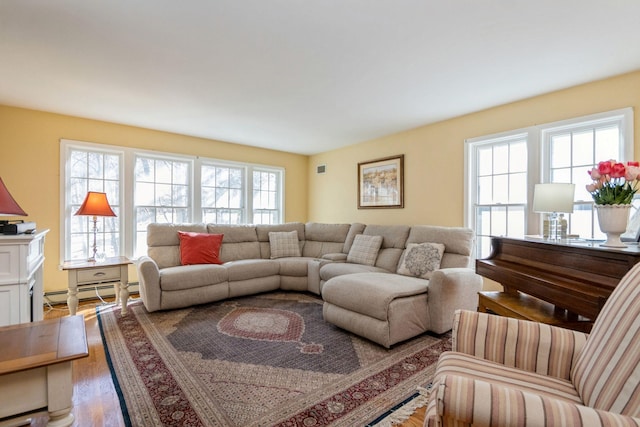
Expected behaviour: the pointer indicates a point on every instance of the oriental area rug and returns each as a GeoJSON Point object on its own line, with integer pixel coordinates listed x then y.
{"type": "Point", "coordinates": [265, 360]}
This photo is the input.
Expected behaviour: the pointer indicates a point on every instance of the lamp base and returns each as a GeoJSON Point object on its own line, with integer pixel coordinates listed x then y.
{"type": "Point", "coordinates": [554, 225]}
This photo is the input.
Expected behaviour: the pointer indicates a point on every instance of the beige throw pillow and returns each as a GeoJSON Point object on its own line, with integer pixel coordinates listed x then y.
{"type": "Point", "coordinates": [420, 259]}
{"type": "Point", "coordinates": [364, 249]}
{"type": "Point", "coordinates": [284, 244]}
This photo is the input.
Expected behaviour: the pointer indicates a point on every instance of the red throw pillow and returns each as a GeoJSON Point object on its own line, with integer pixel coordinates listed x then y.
{"type": "Point", "coordinates": [199, 248]}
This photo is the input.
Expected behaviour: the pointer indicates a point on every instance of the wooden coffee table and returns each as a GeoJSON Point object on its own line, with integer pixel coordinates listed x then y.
{"type": "Point", "coordinates": [35, 369]}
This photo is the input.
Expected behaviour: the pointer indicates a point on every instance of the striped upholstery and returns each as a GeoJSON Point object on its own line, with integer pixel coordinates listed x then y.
{"type": "Point", "coordinates": [463, 365]}
{"type": "Point", "coordinates": [531, 346]}
{"type": "Point", "coordinates": [485, 403]}
{"type": "Point", "coordinates": [607, 372]}
{"type": "Point", "coordinates": [512, 372]}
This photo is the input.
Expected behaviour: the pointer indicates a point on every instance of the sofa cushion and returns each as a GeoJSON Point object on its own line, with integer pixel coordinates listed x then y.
{"type": "Point", "coordinates": [263, 231]}
{"type": "Point", "coordinates": [163, 242]}
{"type": "Point", "coordinates": [420, 259]}
{"type": "Point", "coordinates": [336, 233]}
{"type": "Point", "coordinates": [458, 242]}
{"type": "Point", "coordinates": [322, 239]}
{"type": "Point", "coordinates": [167, 234]}
{"type": "Point", "coordinates": [192, 276]}
{"type": "Point", "coordinates": [364, 249]}
{"type": "Point", "coordinates": [394, 238]}
{"type": "Point", "coordinates": [245, 269]}
{"type": "Point", "coordinates": [371, 293]}
{"type": "Point", "coordinates": [355, 229]}
{"type": "Point", "coordinates": [199, 248]}
{"type": "Point", "coordinates": [294, 266]}
{"type": "Point", "coordinates": [334, 269]}
{"type": "Point", "coordinates": [284, 244]}
{"type": "Point", "coordinates": [239, 242]}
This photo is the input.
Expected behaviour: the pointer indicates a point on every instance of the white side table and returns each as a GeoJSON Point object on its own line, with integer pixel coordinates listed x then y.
{"type": "Point", "coordinates": [83, 273]}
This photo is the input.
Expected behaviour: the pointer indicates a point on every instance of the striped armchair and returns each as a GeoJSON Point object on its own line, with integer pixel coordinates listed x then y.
{"type": "Point", "coordinates": [509, 372]}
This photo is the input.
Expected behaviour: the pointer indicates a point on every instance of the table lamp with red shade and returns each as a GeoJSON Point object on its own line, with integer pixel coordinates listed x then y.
{"type": "Point", "coordinates": [95, 205]}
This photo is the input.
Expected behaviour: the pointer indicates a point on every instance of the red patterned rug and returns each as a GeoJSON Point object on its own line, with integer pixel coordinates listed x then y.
{"type": "Point", "coordinates": [266, 360]}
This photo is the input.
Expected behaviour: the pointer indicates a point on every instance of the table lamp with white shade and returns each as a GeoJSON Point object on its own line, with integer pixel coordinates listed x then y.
{"type": "Point", "coordinates": [553, 198]}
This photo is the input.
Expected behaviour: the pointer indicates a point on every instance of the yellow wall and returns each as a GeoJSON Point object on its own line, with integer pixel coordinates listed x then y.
{"type": "Point", "coordinates": [30, 166]}
{"type": "Point", "coordinates": [434, 159]}
{"type": "Point", "coordinates": [434, 155]}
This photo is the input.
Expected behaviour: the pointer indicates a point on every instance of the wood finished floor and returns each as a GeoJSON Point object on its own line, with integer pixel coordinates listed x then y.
{"type": "Point", "coordinates": [95, 402]}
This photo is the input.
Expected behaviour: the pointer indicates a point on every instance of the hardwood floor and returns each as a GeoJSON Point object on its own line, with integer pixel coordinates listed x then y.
{"type": "Point", "coordinates": [95, 401]}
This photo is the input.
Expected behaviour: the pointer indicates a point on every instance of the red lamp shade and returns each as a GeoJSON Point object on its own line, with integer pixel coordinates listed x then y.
{"type": "Point", "coordinates": [8, 206]}
{"type": "Point", "coordinates": [95, 204]}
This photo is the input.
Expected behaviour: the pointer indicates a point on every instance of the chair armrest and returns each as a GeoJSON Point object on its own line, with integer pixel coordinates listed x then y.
{"type": "Point", "coordinates": [149, 281]}
{"type": "Point", "coordinates": [450, 289]}
{"type": "Point", "coordinates": [335, 257]}
{"type": "Point", "coordinates": [458, 400]}
{"type": "Point", "coordinates": [532, 346]}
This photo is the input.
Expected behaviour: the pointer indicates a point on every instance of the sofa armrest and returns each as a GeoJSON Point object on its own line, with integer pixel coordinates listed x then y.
{"type": "Point", "coordinates": [149, 280]}
{"type": "Point", "coordinates": [532, 346]}
{"type": "Point", "coordinates": [335, 257]}
{"type": "Point", "coordinates": [451, 289]}
{"type": "Point", "coordinates": [458, 400]}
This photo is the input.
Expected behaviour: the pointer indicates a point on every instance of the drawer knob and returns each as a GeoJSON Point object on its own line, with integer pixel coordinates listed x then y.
{"type": "Point", "coordinates": [99, 274]}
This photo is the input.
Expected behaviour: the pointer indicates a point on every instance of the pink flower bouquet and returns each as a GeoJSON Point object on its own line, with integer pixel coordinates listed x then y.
{"type": "Point", "coordinates": [614, 183]}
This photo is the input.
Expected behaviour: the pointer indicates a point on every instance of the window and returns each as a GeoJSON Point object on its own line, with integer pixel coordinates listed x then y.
{"type": "Point", "coordinates": [162, 191]}
{"type": "Point", "coordinates": [222, 194]}
{"type": "Point", "coordinates": [503, 169]}
{"type": "Point", "coordinates": [89, 169]}
{"type": "Point", "coordinates": [266, 190]}
{"type": "Point", "coordinates": [500, 167]}
{"type": "Point", "coordinates": [162, 188]}
{"type": "Point", "coordinates": [573, 149]}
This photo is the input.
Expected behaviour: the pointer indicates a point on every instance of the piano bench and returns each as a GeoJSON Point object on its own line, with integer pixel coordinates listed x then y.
{"type": "Point", "coordinates": [526, 307]}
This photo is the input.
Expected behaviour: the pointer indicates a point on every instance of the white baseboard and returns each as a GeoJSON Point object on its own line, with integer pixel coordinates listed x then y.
{"type": "Point", "coordinates": [86, 293]}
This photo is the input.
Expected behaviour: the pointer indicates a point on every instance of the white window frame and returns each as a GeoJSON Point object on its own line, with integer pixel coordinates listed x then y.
{"type": "Point", "coordinates": [66, 147]}
{"type": "Point", "coordinates": [155, 156]}
{"type": "Point", "coordinates": [623, 118]}
{"type": "Point", "coordinates": [228, 165]}
{"type": "Point", "coordinates": [279, 189]}
{"type": "Point", "coordinates": [127, 179]}
{"type": "Point", "coordinates": [538, 156]}
{"type": "Point", "coordinates": [471, 173]}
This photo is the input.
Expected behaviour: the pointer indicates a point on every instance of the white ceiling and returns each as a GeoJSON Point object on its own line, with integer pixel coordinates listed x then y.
{"type": "Point", "coordinates": [303, 76]}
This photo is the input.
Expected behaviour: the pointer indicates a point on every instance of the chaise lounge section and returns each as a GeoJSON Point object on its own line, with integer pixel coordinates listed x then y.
{"type": "Point", "coordinates": [364, 273]}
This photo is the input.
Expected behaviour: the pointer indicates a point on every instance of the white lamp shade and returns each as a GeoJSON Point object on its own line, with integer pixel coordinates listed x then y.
{"type": "Point", "coordinates": [553, 197]}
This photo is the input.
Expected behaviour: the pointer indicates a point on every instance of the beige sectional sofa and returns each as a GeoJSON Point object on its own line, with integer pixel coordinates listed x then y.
{"type": "Point", "coordinates": [362, 292]}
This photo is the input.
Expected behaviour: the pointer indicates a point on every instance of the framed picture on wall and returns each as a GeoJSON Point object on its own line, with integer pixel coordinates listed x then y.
{"type": "Point", "coordinates": [381, 183]}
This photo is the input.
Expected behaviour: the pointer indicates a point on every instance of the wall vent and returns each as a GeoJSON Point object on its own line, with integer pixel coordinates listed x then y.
{"type": "Point", "coordinates": [321, 168]}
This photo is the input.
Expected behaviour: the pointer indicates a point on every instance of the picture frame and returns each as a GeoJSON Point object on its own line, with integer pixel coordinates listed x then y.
{"type": "Point", "coordinates": [381, 183]}
{"type": "Point", "coordinates": [632, 234]}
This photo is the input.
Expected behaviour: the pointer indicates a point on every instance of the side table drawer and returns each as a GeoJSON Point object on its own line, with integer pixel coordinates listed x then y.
{"type": "Point", "coordinates": [96, 275]}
